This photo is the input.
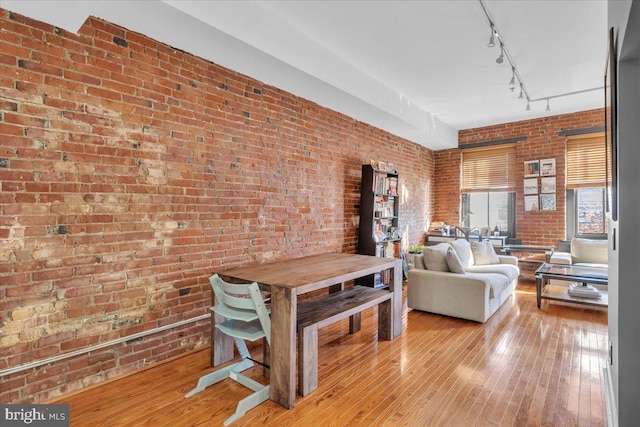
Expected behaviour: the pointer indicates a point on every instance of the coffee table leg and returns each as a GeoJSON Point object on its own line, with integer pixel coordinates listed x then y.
{"type": "Point", "coordinates": [538, 290]}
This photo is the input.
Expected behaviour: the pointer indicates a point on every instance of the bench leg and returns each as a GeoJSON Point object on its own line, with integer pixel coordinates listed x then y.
{"type": "Point", "coordinates": [354, 323]}
{"type": "Point", "coordinates": [385, 320]}
{"type": "Point", "coordinates": [308, 359]}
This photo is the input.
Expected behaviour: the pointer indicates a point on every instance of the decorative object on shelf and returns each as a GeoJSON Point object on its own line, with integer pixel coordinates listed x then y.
{"type": "Point", "coordinates": [548, 202]}
{"type": "Point", "coordinates": [584, 291]}
{"type": "Point", "coordinates": [531, 168]}
{"type": "Point", "coordinates": [548, 167]}
{"type": "Point", "coordinates": [531, 186]}
{"type": "Point", "coordinates": [531, 203]}
{"type": "Point", "coordinates": [378, 233]}
{"type": "Point", "coordinates": [390, 168]}
{"type": "Point", "coordinates": [548, 184]}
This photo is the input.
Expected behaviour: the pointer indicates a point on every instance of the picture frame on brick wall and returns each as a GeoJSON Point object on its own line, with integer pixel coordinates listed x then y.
{"type": "Point", "coordinates": [531, 168]}
{"type": "Point", "coordinates": [548, 167]}
{"type": "Point", "coordinates": [531, 203]}
{"type": "Point", "coordinates": [531, 186]}
{"type": "Point", "coordinates": [548, 184]}
{"type": "Point", "coordinates": [548, 202]}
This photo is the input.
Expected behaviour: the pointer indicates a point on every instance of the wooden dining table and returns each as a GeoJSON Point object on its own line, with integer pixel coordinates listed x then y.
{"type": "Point", "coordinates": [288, 279]}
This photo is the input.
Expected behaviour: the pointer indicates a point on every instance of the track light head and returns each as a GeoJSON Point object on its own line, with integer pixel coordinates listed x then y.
{"type": "Point", "coordinates": [521, 92]}
{"type": "Point", "coordinates": [500, 58]}
{"type": "Point", "coordinates": [547, 109]}
{"type": "Point", "coordinates": [528, 106]}
{"type": "Point", "coordinates": [492, 38]}
{"type": "Point", "coordinates": [513, 77]}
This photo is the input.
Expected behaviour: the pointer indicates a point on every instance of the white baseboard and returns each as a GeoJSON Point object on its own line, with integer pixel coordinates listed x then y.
{"type": "Point", "coordinates": [610, 398]}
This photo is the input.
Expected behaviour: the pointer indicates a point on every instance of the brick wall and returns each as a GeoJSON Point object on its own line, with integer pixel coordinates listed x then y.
{"type": "Point", "coordinates": [131, 171]}
{"type": "Point", "coordinates": [542, 142]}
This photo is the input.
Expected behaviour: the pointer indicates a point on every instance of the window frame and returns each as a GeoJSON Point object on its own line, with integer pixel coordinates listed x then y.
{"type": "Point", "coordinates": [511, 210]}
{"type": "Point", "coordinates": [572, 215]}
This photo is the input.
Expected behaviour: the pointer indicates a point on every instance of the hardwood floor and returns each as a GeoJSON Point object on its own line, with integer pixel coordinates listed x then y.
{"type": "Point", "coordinates": [523, 367]}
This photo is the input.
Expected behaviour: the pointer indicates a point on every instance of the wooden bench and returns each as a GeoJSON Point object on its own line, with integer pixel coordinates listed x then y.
{"type": "Point", "coordinates": [323, 311]}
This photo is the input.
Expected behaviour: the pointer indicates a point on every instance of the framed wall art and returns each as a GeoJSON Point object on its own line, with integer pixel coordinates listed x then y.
{"type": "Point", "coordinates": [531, 203]}
{"type": "Point", "coordinates": [548, 184]}
{"type": "Point", "coordinates": [531, 168]}
{"type": "Point", "coordinates": [548, 202]}
{"type": "Point", "coordinates": [531, 186]}
{"type": "Point", "coordinates": [548, 167]}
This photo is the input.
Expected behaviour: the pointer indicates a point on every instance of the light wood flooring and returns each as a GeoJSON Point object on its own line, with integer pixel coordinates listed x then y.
{"type": "Point", "coordinates": [523, 367]}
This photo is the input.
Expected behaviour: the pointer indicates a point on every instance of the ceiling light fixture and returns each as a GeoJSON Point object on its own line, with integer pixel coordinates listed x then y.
{"type": "Point", "coordinates": [547, 109]}
{"type": "Point", "coordinates": [504, 53]}
{"type": "Point", "coordinates": [528, 108]}
{"type": "Point", "coordinates": [492, 38]}
{"type": "Point", "coordinates": [500, 59]}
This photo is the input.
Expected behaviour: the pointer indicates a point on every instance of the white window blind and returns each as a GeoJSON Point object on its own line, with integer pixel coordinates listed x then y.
{"type": "Point", "coordinates": [586, 160]}
{"type": "Point", "coordinates": [489, 169]}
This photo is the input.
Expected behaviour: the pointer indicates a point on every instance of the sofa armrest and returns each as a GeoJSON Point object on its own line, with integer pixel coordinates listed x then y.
{"type": "Point", "coordinates": [508, 259]}
{"type": "Point", "coordinates": [459, 295]}
{"type": "Point", "coordinates": [561, 258]}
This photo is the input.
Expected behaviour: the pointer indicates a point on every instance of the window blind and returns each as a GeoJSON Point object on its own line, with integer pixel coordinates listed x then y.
{"type": "Point", "coordinates": [586, 160]}
{"type": "Point", "coordinates": [489, 169]}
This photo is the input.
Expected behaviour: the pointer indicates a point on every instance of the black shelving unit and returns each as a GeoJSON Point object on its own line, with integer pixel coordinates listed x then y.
{"type": "Point", "coordinates": [378, 231]}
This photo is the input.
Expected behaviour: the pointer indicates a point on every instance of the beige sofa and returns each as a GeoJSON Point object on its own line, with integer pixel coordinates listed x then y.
{"type": "Point", "coordinates": [474, 293]}
{"type": "Point", "coordinates": [586, 252]}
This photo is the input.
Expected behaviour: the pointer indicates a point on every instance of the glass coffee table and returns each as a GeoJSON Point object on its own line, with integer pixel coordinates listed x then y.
{"type": "Point", "coordinates": [570, 273]}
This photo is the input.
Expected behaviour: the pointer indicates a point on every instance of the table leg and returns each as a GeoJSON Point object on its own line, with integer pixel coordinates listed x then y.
{"type": "Point", "coordinates": [283, 346]}
{"type": "Point", "coordinates": [390, 315]}
{"type": "Point", "coordinates": [538, 290]}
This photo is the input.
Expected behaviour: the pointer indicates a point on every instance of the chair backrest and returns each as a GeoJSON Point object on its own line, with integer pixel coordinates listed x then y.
{"type": "Point", "coordinates": [241, 302]}
{"type": "Point", "coordinates": [589, 251]}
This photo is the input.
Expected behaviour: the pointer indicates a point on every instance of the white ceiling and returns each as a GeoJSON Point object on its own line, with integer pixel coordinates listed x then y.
{"type": "Point", "coordinates": [419, 69]}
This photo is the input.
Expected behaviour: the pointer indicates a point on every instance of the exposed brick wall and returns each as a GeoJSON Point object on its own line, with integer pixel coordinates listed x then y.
{"type": "Point", "coordinates": [543, 142]}
{"type": "Point", "coordinates": [131, 171]}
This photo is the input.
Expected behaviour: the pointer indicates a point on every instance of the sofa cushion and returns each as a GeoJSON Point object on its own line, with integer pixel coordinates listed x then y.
{"type": "Point", "coordinates": [435, 257]}
{"type": "Point", "coordinates": [510, 271]}
{"type": "Point", "coordinates": [463, 249]}
{"type": "Point", "coordinates": [589, 251]}
{"type": "Point", "coordinates": [454, 261]}
{"type": "Point", "coordinates": [483, 253]}
{"type": "Point", "coordinates": [418, 261]}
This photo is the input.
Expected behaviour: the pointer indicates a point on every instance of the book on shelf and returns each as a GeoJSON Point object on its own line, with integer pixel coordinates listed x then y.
{"type": "Point", "coordinates": [383, 184]}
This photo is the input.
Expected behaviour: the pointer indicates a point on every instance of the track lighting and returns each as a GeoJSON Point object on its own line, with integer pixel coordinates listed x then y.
{"type": "Point", "coordinates": [500, 58]}
{"type": "Point", "coordinates": [547, 109]}
{"type": "Point", "coordinates": [492, 38]}
{"type": "Point", "coordinates": [504, 53]}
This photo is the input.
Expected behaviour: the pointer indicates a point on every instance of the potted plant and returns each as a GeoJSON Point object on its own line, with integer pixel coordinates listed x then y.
{"type": "Point", "coordinates": [413, 251]}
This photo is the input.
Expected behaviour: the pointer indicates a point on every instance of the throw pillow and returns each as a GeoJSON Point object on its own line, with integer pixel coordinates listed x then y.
{"type": "Point", "coordinates": [463, 249]}
{"type": "Point", "coordinates": [454, 262]}
{"type": "Point", "coordinates": [435, 257]}
{"type": "Point", "coordinates": [418, 261]}
{"type": "Point", "coordinates": [483, 253]}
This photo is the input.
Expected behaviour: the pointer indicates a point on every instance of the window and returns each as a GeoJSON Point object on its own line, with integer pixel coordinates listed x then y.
{"type": "Point", "coordinates": [488, 188]}
{"type": "Point", "coordinates": [490, 210]}
{"type": "Point", "coordinates": [586, 181]}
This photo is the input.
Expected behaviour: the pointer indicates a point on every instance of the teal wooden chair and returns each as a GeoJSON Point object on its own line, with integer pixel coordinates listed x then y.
{"type": "Point", "coordinates": [246, 318]}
